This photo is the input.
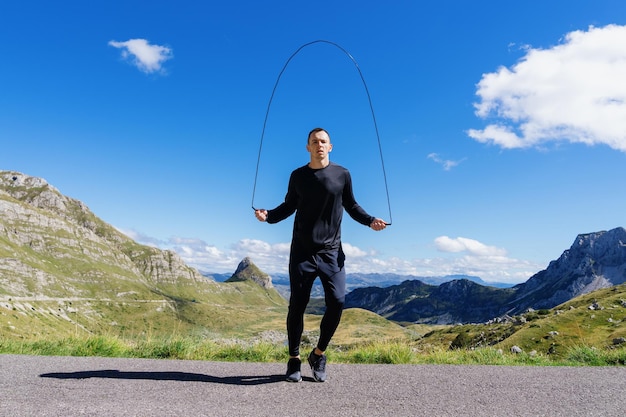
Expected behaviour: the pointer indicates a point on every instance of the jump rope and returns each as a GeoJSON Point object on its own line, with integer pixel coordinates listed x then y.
{"type": "Point", "coordinates": [269, 104]}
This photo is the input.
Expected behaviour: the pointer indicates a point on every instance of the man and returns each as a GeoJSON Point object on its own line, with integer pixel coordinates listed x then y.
{"type": "Point", "coordinates": [318, 192]}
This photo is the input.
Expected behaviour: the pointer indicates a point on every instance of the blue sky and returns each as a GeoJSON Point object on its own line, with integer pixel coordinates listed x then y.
{"type": "Point", "coordinates": [502, 126]}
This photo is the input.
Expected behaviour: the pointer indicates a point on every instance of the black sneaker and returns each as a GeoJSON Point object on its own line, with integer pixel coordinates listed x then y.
{"type": "Point", "coordinates": [318, 366]}
{"type": "Point", "coordinates": [293, 370]}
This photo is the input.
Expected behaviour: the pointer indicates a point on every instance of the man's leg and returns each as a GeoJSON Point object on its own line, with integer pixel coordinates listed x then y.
{"type": "Point", "coordinates": [302, 274]}
{"type": "Point", "coordinates": [333, 277]}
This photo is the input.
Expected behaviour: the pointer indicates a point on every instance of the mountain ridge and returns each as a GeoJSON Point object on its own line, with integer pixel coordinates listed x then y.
{"type": "Point", "coordinates": [594, 261]}
{"type": "Point", "coordinates": [62, 269]}
{"type": "Point", "coordinates": [64, 238]}
{"type": "Point", "coordinates": [280, 281]}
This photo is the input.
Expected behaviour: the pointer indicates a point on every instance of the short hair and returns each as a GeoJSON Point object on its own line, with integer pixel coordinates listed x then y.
{"type": "Point", "coordinates": [317, 129]}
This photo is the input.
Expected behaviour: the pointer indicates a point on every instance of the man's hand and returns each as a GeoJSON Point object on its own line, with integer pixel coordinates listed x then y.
{"type": "Point", "coordinates": [261, 214]}
{"type": "Point", "coordinates": [378, 224]}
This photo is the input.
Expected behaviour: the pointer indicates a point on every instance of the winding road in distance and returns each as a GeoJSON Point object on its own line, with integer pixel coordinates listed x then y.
{"type": "Point", "coordinates": [79, 386]}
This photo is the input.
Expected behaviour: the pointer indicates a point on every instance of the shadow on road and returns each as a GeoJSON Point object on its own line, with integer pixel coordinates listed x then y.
{"type": "Point", "coordinates": [168, 376]}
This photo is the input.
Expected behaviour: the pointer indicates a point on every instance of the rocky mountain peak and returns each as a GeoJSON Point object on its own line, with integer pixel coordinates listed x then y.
{"type": "Point", "coordinates": [457, 287]}
{"type": "Point", "coordinates": [248, 271]}
{"type": "Point", "coordinates": [55, 242]}
{"type": "Point", "coordinates": [595, 260]}
{"type": "Point", "coordinates": [32, 190]}
{"type": "Point", "coordinates": [606, 246]}
{"type": "Point", "coordinates": [36, 193]}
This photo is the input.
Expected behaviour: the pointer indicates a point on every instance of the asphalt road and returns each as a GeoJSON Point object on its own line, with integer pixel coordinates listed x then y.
{"type": "Point", "coordinates": [71, 386]}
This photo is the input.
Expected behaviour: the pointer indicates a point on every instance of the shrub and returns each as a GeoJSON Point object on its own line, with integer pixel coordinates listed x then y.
{"type": "Point", "coordinates": [461, 341]}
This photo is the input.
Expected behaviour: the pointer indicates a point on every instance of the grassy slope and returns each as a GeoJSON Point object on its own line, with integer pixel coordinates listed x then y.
{"type": "Point", "coordinates": [550, 332]}
{"type": "Point", "coordinates": [66, 272]}
{"type": "Point", "coordinates": [575, 324]}
{"type": "Point", "coordinates": [222, 309]}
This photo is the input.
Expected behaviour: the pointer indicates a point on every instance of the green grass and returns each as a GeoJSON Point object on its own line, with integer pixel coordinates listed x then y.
{"type": "Point", "coordinates": [378, 353]}
{"type": "Point", "coordinates": [175, 347]}
{"type": "Point", "coordinates": [596, 357]}
{"type": "Point", "coordinates": [190, 348]}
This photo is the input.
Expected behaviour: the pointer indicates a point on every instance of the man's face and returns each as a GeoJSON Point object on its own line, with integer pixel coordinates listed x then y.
{"type": "Point", "coordinates": [319, 145]}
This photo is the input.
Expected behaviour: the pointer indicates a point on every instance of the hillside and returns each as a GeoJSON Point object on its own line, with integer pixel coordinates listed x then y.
{"type": "Point", "coordinates": [64, 270]}
{"type": "Point", "coordinates": [596, 319]}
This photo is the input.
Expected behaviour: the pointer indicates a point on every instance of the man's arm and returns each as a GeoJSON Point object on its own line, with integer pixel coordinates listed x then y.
{"type": "Point", "coordinates": [356, 211]}
{"type": "Point", "coordinates": [351, 206]}
{"type": "Point", "coordinates": [284, 210]}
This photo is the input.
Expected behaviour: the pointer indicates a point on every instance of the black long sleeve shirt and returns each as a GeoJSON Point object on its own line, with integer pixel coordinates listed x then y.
{"type": "Point", "coordinates": [318, 196]}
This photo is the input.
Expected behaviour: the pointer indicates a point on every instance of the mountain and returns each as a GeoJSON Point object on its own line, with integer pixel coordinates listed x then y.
{"type": "Point", "coordinates": [64, 270]}
{"type": "Point", "coordinates": [49, 241]}
{"type": "Point", "coordinates": [594, 261]}
{"type": "Point", "coordinates": [248, 271]}
{"type": "Point", "coordinates": [357, 280]}
{"type": "Point", "coordinates": [456, 301]}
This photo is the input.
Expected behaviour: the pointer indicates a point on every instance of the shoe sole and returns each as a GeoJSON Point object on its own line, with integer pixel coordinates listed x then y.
{"type": "Point", "coordinates": [318, 379]}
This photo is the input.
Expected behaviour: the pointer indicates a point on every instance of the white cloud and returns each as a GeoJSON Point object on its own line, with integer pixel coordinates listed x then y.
{"type": "Point", "coordinates": [195, 252]}
{"type": "Point", "coordinates": [490, 268]}
{"type": "Point", "coordinates": [574, 91]}
{"type": "Point", "coordinates": [490, 263]}
{"type": "Point", "coordinates": [446, 163]}
{"type": "Point", "coordinates": [198, 253]}
{"type": "Point", "coordinates": [148, 58]}
{"type": "Point", "coordinates": [268, 257]}
{"type": "Point", "coordinates": [353, 251]}
{"type": "Point", "coordinates": [471, 246]}
{"type": "Point", "coordinates": [464, 256]}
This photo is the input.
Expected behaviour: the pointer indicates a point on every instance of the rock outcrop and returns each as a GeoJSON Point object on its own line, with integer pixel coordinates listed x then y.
{"type": "Point", "coordinates": [248, 271]}
{"type": "Point", "coordinates": [595, 260]}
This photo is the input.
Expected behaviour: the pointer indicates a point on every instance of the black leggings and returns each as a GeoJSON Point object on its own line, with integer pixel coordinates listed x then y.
{"type": "Point", "coordinates": [303, 269]}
